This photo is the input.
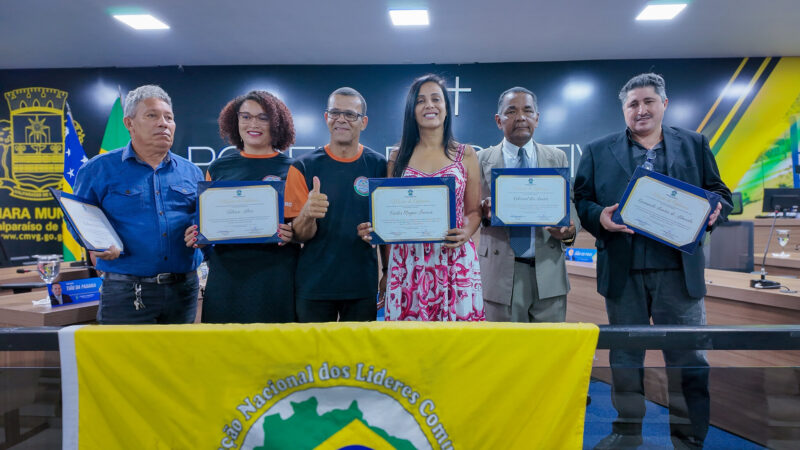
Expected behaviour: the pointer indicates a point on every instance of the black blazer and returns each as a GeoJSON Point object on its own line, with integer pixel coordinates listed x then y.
{"type": "Point", "coordinates": [602, 177]}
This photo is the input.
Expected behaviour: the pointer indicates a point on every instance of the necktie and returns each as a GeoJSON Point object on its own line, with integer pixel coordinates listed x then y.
{"type": "Point", "coordinates": [520, 236]}
{"type": "Point", "coordinates": [522, 158]}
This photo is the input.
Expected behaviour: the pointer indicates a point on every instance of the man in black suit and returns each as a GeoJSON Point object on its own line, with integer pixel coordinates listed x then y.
{"type": "Point", "coordinates": [639, 277]}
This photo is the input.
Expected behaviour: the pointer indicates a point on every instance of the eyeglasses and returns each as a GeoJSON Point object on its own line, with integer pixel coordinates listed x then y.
{"type": "Point", "coordinates": [350, 116]}
{"type": "Point", "coordinates": [247, 117]}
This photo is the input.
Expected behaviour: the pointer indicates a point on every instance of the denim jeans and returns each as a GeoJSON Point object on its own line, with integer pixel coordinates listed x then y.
{"type": "Point", "coordinates": [160, 303]}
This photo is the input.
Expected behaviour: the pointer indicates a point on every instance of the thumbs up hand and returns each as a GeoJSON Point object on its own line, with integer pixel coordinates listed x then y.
{"type": "Point", "coordinates": [317, 204]}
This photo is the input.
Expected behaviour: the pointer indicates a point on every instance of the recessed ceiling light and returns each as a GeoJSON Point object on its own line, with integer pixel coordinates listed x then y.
{"type": "Point", "coordinates": [408, 17]}
{"type": "Point", "coordinates": [661, 11]}
{"type": "Point", "coordinates": [141, 21]}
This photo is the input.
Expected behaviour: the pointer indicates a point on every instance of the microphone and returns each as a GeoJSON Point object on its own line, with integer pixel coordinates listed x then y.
{"type": "Point", "coordinates": [84, 263]}
{"type": "Point", "coordinates": [763, 283]}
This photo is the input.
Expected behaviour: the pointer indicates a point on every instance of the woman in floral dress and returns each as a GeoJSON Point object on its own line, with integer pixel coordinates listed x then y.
{"type": "Point", "coordinates": [435, 281]}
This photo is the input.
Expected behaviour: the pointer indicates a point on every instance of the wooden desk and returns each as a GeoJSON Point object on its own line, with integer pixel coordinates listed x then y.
{"type": "Point", "coordinates": [787, 267]}
{"type": "Point", "coordinates": [17, 310]}
{"type": "Point", "coordinates": [775, 266]}
{"type": "Point", "coordinates": [740, 399]}
{"type": "Point", "coordinates": [761, 234]}
{"type": "Point", "coordinates": [66, 272]}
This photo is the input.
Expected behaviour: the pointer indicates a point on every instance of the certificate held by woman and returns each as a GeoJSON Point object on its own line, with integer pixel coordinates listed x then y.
{"type": "Point", "coordinates": [404, 210]}
{"type": "Point", "coordinates": [239, 211]}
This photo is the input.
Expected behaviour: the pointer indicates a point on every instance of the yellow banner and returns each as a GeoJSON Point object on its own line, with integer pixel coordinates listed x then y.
{"type": "Point", "coordinates": [328, 386]}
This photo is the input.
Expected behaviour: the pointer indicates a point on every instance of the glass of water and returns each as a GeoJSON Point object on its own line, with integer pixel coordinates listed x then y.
{"type": "Point", "coordinates": [783, 239]}
{"type": "Point", "coordinates": [48, 267]}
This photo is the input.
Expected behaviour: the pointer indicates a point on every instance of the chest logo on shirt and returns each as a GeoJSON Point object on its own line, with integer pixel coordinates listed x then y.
{"type": "Point", "coordinates": [361, 185]}
{"type": "Point", "coordinates": [271, 178]}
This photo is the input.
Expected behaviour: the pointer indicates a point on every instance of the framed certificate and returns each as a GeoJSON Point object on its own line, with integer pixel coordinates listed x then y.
{"type": "Point", "coordinates": [90, 226]}
{"type": "Point", "coordinates": [239, 212]}
{"type": "Point", "coordinates": [530, 197]}
{"type": "Point", "coordinates": [410, 210]}
{"type": "Point", "coordinates": [670, 211]}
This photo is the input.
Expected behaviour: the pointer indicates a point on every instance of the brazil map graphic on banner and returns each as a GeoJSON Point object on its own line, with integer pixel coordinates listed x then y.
{"type": "Point", "coordinates": [326, 386]}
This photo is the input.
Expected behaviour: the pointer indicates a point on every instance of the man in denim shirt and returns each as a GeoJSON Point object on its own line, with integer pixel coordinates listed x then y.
{"type": "Point", "coordinates": [149, 195]}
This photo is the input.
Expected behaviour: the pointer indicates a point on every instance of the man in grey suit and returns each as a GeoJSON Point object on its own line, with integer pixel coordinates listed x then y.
{"type": "Point", "coordinates": [641, 278]}
{"type": "Point", "coordinates": [522, 269]}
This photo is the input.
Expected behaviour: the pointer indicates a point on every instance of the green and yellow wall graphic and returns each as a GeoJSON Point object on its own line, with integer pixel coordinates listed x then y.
{"type": "Point", "coordinates": [752, 128]}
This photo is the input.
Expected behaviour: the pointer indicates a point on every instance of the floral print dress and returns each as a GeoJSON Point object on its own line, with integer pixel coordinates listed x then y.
{"type": "Point", "coordinates": [430, 281]}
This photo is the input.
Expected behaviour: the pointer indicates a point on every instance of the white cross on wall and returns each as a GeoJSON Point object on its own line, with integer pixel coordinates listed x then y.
{"type": "Point", "coordinates": [458, 90]}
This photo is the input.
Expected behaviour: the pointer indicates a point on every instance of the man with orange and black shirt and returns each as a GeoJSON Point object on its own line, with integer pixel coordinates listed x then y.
{"type": "Point", "coordinates": [337, 272]}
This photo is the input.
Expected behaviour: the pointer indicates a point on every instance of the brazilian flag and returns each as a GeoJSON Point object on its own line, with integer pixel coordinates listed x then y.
{"type": "Point", "coordinates": [74, 158]}
{"type": "Point", "coordinates": [116, 135]}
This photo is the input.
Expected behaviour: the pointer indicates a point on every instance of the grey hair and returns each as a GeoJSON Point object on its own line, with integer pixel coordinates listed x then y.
{"type": "Point", "coordinates": [644, 80]}
{"type": "Point", "coordinates": [135, 96]}
{"type": "Point", "coordinates": [350, 92]}
{"type": "Point", "coordinates": [516, 90]}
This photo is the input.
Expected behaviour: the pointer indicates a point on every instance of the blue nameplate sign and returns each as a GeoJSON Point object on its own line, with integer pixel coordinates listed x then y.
{"type": "Point", "coordinates": [581, 254]}
{"type": "Point", "coordinates": [74, 291]}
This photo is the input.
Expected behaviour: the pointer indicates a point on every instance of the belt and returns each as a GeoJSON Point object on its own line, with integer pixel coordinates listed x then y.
{"type": "Point", "coordinates": [528, 261]}
{"type": "Point", "coordinates": [162, 278]}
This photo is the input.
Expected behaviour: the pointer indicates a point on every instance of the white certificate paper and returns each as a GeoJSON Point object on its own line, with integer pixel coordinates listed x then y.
{"type": "Point", "coordinates": [530, 199]}
{"type": "Point", "coordinates": [411, 213]}
{"type": "Point", "coordinates": [670, 214]}
{"type": "Point", "coordinates": [241, 212]}
{"type": "Point", "coordinates": [92, 225]}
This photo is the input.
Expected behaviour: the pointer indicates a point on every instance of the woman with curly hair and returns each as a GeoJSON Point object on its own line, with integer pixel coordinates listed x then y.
{"type": "Point", "coordinates": [252, 283]}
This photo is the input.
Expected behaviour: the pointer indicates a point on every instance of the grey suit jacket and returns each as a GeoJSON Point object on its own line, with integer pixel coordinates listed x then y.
{"type": "Point", "coordinates": [494, 251]}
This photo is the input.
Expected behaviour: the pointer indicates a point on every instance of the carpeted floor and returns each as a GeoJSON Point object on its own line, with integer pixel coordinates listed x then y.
{"type": "Point", "coordinates": [655, 431]}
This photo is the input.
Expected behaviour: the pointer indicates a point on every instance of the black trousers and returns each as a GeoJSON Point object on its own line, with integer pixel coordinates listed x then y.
{"type": "Point", "coordinates": [351, 310]}
{"type": "Point", "coordinates": [660, 295]}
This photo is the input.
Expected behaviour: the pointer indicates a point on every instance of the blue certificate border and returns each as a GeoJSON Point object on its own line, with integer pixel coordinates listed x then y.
{"type": "Point", "coordinates": [202, 186]}
{"type": "Point", "coordinates": [713, 200]}
{"type": "Point", "coordinates": [76, 233]}
{"type": "Point", "coordinates": [450, 182]}
{"type": "Point", "coordinates": [547, 171]}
